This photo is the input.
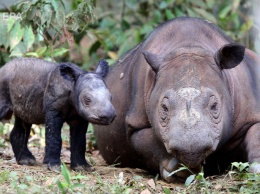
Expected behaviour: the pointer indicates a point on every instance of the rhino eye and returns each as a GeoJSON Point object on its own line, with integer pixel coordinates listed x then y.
{"type": "Point", "coordinates": [214, 107]}
{"type": "Point", "coordinates": [164, 113]}
{"type": "Point", "coordinates": [87, 100]}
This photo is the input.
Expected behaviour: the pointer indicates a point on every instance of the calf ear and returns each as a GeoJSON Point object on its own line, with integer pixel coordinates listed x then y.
{"type": "Point", "coordinates": [153, 60]}
{"type": "Point", "coordinates": [229, 56]}
{"type": "Point", "coordinates": [68, 72]}
{"type": "Point", "coordinates": [102, 68]}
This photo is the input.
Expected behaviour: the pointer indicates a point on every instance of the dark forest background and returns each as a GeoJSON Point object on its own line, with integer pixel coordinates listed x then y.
{"type": "Point", "coordinates": [84, 31]}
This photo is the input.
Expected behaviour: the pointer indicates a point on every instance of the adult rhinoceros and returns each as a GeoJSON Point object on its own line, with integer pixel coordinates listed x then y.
{"type": "Point", "coordinates": [187, 94]}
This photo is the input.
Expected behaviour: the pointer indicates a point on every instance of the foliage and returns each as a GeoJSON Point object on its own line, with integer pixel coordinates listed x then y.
{"type": "Point", "coordinates": [67, 185]}
{"type": "Point", "coordinates": [39, 28]}
{"type": "Point", "coordinates": [116, 35]}
{"type": "Point", "coordinates": [64, 30]}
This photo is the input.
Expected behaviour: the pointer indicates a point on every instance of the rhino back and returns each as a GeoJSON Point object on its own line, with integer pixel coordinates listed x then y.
{"type": "Point", "coordinates": [185, 32]}
{"type": "Point", "coordinates": [26, 80]}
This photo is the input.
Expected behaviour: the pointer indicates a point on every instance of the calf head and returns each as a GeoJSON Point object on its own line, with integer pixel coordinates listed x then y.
{"type": "Point", "coordinates": [90, 95]}
{"type": "Point", "coordinates": [190, 107]}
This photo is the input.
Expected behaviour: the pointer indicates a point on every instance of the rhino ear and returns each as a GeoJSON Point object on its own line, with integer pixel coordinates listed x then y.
{"type": "Point", "coordinates": [153, 60]}
{"type": "Point", "coordinates": [229, 56]}
{"type": "Point", "coordinates": [102, 68]}
{"type": "Point", "coordinates": [68, 72]}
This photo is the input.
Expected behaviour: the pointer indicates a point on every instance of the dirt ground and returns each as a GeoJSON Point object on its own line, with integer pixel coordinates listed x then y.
{"type": "Point", "coordinates": [104, 175]}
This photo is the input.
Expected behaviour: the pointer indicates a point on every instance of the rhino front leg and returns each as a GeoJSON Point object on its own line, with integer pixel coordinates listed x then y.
{"type": "Point", "coordinates": [154, 156]}
{"type": "Point", "coordinates": [252, 145]}
{"type": "Point", "coordinates": [19, 139]}
{"type": "Point", "coordinates": [53, 121]}
{"type": "Point", "coordinates": [78, 130]}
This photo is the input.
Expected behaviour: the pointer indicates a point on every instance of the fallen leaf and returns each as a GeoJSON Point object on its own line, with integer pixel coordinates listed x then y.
{"type": "Point", "coordinates": [218, 187]}
{"type": "Point", "coordinates": [49, 181]}
{"type": "Point", "coordinates": [146, 191]}
{"type": "Point", "coordinates": [151, 183]}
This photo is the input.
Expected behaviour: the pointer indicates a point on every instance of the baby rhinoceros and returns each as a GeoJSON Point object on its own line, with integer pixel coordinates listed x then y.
{"type": "Point", "coordinates": [37, 92]}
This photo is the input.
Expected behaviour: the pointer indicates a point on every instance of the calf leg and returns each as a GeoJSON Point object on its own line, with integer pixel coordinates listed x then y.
{"type": "Point", "coordinates": [78, 130]}
{"type": "Point", "coordinates": [154, 155]}
{"type": "Point", "coordinates": [53, 121]}
{"type": "Point", "coordinates": [19, 139]}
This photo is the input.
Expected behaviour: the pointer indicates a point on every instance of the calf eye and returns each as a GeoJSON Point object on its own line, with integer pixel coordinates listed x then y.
{"type": "Point", "coordinates": [87, 100]}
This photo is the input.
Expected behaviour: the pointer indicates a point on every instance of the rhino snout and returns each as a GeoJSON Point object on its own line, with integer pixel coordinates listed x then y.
{"type": "Point", "coordinates": [108, 115]}
{"type": "Point", "coordinates": [192, 157]}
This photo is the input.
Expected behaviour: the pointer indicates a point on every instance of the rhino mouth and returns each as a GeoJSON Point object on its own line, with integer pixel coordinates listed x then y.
{"type": "Point", "coordinates": [192, 160]}
{"type": "Point", "coordinates": [100, 120]}
{"type": "Point", "coordinates": [180, 175]}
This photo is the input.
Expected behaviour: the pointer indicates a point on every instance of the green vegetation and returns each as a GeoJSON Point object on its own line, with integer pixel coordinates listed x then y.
{"type": "Point", "coordinates": [84, 31]}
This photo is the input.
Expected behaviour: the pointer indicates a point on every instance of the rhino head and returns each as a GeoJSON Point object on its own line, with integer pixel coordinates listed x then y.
{"type": "Point", "coordinates": [90, 96]}
{"type": "Point", "coordinates": [190, 106]}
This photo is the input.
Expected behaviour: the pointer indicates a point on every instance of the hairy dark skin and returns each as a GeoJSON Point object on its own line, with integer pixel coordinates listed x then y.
{"type": "Point", "coordinates": [41, 92]}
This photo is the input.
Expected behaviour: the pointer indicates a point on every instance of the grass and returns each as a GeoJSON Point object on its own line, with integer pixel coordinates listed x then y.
{"type": "Point", "coordinates": [106, 179]}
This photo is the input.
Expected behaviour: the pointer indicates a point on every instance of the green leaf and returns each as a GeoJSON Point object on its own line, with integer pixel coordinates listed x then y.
{"type": "Point", "coordinates": [205, 14]}
{"type": "Point", "coordinates": [41, 51]}
{"type": "Point", "coordinates": [200, 4]}
{"type": "Point", "coordinates": [10, 24]}
{"type": "Point", "coordinates": [224, 11]}
{"type": "Point", "coordinates": [28, 37]}
{"type": "Point", "coordinates": [65, 172]}
{"type": "Point", "coordinates": [31, 54]}
{"type": "Point", "coordinates": [4, 35]}
{"type": "Point", "coordinates": [179, 169]}
{"type": "Point", "coordinates": [61, 187]}
{"type": "Point", "coordinates": [190, 179]}
{"type": "Point", "coordinates": [169, 14]}
{"type": "Point", "coordinates": [163, 5]}
{"type": "Point", "coordinates": [179, 12]}
{"type": "Point", "coordinates": [77, 185]}
{"type": "Point", "coordinates": [18, 51]}
{"type": "Point", "coordinates": [191, 12]}
{"type": "Point", "coordinates": [60, 51]}
{"type": "Point", "coordinates": [166, 190]}
{"type": "Point", "coordinates": [157, 16]}
{"type": "Point", "coordinates": [16, 35]}
{"type": "Point", "coordinates": [200, 176]}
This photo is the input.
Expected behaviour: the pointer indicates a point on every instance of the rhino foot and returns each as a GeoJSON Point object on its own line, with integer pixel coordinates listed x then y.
{"type": "Point", "coordinates": [254, 168]}
{"type": "Point", "coordinates": [80, 168]}
{"type": "Point", "coordinates": [53, 168]}
{"type": "Point", "coordinates": [28, 161]}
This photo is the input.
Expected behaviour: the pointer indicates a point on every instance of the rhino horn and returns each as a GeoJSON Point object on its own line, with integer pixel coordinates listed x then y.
{"type": "Point", "coordinates": [153, 60]}
{"type": "Point", "coordinates": [229, 56]}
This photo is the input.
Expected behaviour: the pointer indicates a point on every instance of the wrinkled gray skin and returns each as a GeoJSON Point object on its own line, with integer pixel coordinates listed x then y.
{"type": "Point", "coordinates": [187, 94]}
{"type": "Point", "coordinates": [37, 92]}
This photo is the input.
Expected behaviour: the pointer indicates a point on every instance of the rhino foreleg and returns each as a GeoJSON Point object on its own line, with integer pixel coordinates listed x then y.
{"type": "Point", "coordinates": [78, 130]}
{"type": "Point", "coordinates": [53, 122]}
{"type": "Point", "coordinates": [154, 156]}
{"type": "Point", "coordinates": [252, 146]}
{"type": "Point", "coordinates": [19, 139]}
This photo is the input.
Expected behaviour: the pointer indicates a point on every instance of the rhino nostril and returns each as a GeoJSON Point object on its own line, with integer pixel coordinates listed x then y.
{"type": "Point", "coordinates": [109, 116]}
